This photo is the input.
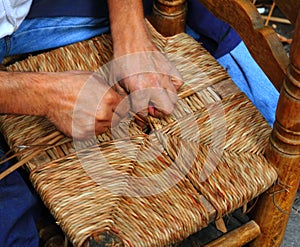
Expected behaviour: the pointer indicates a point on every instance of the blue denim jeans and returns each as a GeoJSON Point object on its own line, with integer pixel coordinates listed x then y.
{"type": "Point", "coordinates": [17, 203]}
{"type": "Point", "coordinates": [17, 209]}
{"type": "Point", "coordinates": [47, 33]}
{"type": "Point", "coordinates": [249, 78]}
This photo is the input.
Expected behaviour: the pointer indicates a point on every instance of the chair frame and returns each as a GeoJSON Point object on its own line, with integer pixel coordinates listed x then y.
{"type": "Point", "coordinates": [283, 152]}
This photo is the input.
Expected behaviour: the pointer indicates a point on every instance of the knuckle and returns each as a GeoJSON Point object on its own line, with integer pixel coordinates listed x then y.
{"type": "Point", "coordinates": [169, 109]}
{"type": "Point", "coordinates": [110, 98]}
{"type": "Point", "coordinates": [102, 115]}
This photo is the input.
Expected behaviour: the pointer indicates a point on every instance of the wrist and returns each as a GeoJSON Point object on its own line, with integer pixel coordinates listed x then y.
{"type": "Point", "coordinates": [135, 38]}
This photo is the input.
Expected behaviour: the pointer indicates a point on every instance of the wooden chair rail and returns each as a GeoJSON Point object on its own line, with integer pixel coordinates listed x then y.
{"type": "Point", "coordinates": [284, 154]}
{"type": "Point", "coordinates": [246, 233]}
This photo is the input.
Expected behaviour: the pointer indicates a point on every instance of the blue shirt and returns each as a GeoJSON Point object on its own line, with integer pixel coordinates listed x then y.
{"type": "Point", "coordinates": [78, 8]}
{"type": "Point", "coordinates": [215, 35]}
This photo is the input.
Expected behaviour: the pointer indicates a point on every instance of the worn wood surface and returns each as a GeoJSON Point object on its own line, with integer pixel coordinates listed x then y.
{"type": "Point", "coordinates": [273, 209]}
{"type": "Point", "coordinates": [237, 237]}
{"type": "Point", "coordinates": [169, 17]}
{"type": "Point", "coordinates": [289, 8]}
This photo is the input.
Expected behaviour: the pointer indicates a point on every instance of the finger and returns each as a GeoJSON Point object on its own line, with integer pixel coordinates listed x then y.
{"type": "Point", "coordinates": [104, 113]}
{"type": "Point", "coordinates": [171, 92]}
{"type": "Point", "coordinates": [85, 133]}
{"type": "Point", "coordinates": [121, 110]}
{"type": "Point", "coordinates": [165, 66]}
{"type": "Point", "coordinates": [119, 89]}
{"type": "Point", "coordinates": [101, 127]}
{"type": "Point", "coordinates": [151, 109]}
{"type": "Point", "coordinates": [174, 73]}
{"type": "Point", "coordinates": [162, 102]}
{"type": "Point", "coordinates": [173, 96]}
{"type": "Point", "coordinates": [165, 98]}
{"type": "Point", "coordinates": [177, 83]}
{"type": "Point", "coordinates": [155, 112]}
{"type": "Point", "coordinates": [139, 100]}
{"type": "Point", "coordinates": [122, 106]}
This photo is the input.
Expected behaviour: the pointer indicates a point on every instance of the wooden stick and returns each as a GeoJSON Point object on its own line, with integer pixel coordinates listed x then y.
{"type": "Point", "coordinates": [270, 14]}
{"type": "Point", "coordinates": [284, 39]}
{"type": "Point", "coordinates": [237, 237]}
{"type": "Point", "coordinates": [276, 19]}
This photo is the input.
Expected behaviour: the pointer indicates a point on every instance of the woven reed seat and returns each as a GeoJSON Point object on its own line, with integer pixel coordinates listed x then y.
{"type": "Point", "coordinates": [152, 188]}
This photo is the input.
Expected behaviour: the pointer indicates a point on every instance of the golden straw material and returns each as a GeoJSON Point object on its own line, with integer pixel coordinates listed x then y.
{"type": "Point", "coordinates": [150, 187]}
{"type": "Point", "coordinates": [95, 206]}
{"type": "Point", "coordinates": [225, 163]}
{"type": "Point", "coordinates": [238, 120]}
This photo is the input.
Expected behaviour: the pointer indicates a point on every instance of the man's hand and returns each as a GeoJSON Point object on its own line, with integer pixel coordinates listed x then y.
{"type": "Point", "coordinates": [150, 80]}
{"type": "Point", "coordinates": [85, 105]}
{"type": "Point", "coordinates": [140, 69]}
{"type": "Point", "coordinates": [80, 104]}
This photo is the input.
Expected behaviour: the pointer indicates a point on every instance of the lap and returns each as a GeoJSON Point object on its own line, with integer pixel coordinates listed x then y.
{"type": "Point", "coordinates": [46, 33]}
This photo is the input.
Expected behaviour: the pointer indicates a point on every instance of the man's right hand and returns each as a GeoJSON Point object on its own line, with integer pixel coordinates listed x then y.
{"type": "Point", "coordinates": [80, 104]}
{"type": "Point", "coordinates": [84, 102]}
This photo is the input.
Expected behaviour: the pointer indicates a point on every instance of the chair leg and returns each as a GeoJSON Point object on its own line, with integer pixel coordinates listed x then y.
{"type": "Point", "coordinates": [272, 211]}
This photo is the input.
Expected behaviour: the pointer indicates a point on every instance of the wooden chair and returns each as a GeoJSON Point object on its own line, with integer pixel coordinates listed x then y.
{"type": "Point", "coordinates": [284, 148]}
{"type": "Point", "coordinates": [51, 160]}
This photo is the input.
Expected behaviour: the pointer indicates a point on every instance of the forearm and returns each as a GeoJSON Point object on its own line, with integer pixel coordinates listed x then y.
{"type": "Point", "coordinates": [23, 93]}
{"type": "Point", "coordinates": [128, 28]}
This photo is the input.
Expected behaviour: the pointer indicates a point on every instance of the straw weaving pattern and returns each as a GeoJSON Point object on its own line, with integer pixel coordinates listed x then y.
{"type": "Point", "coordinates": [153, 187]}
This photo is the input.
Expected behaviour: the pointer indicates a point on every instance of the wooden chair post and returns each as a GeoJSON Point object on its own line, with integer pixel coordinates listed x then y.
{"type": "Point", "coordinates": [169, 16]}
{"type": "Point", "coordinates": [273, 209]}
